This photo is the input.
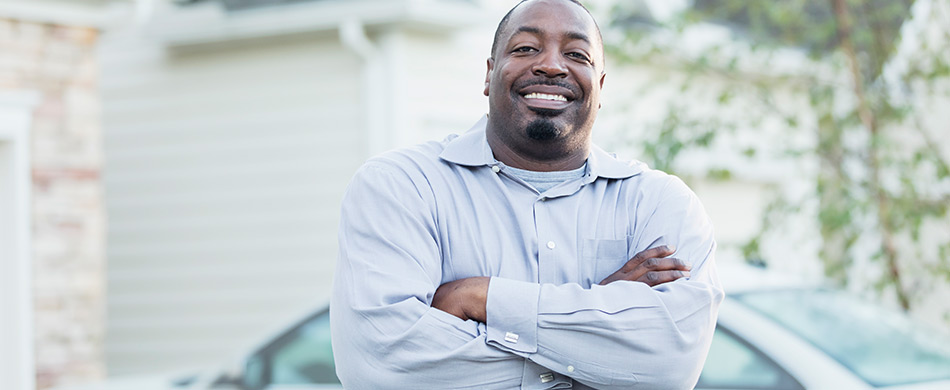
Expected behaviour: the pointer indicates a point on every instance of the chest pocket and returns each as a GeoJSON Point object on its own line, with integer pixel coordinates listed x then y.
{"type": "Point", "coordinates": [600, 258]}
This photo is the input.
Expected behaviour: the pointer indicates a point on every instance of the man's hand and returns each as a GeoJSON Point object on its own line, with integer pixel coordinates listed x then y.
{"type": "Point", "coordinates": [463, 298]}
{"type": "Point", "coordinates": [652, 267]}
{"type": "Point", "coordinates": [466, 298]}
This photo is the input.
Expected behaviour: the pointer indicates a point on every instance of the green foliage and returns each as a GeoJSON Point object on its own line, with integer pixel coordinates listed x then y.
{"type": "Point", "coordinates": [811, 25]}
{"type": "Point", "coordinates": [676, 134]}
{"type": "Point", "coordinates": [719, 174]}
{"type": "Point", "coordinates": [881, 176]}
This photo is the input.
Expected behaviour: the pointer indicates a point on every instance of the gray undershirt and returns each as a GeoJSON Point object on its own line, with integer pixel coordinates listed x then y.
{"type": "Point", "coordinates": [543, 181]}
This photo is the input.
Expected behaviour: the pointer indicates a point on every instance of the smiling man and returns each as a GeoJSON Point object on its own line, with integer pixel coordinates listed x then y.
{"type": "Point", "coordinates": [519, 254]}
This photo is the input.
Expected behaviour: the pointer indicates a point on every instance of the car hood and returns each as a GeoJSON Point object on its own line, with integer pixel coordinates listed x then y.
{"type": "Point", "coordinates": [941, 385]}
{"type": "Point", "coordinates": [178, 381]}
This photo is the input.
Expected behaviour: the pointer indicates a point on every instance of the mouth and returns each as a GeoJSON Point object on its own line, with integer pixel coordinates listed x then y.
{"type": "Point", "coordinates": [547, 99]}
{"type": "Point", "coordinates": [545, 96]}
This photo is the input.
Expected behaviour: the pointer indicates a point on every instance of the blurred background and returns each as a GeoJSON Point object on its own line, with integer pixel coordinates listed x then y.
{"type": "Point", "coordinates": [171, 170]}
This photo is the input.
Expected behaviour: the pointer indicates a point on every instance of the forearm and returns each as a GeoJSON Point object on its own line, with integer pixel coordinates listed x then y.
{"type": "Point", "coordinates": [384, 332]}
{"type": "Point", "coordinates": [593, 335]}
{"type": "Point", "coordinates": [409, 345]}
{"type": "Point", "coordinates": [619, 335]}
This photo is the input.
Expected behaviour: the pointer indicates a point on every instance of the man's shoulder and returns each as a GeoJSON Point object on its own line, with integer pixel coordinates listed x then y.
{"type": "Point", "coordinates": [410, 160]}
{"type": "Point", "coordinates": [620, 167]}
{"type": "Point", "coordinates": [648, 180]}
{"type": "Point", "coordinates": [665, 188]}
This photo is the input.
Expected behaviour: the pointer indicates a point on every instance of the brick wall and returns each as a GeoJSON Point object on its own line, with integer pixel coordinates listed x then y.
{"type": "Point", "coordinates": [68, 221]}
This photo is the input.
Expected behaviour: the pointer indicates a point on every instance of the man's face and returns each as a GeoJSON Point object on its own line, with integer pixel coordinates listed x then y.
{"type": "Point", "coordinates": [543, 82]}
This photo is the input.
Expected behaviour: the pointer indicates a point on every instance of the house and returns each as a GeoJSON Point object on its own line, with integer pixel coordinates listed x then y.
{"type": "Point", "coordinates": [52, 248]}
{"type": "Point", "coordinates": [232, 128]}
{"type": "Point", "coordinates": [231, 131]}
{"type": "Point", "coordinates": [188, 202]}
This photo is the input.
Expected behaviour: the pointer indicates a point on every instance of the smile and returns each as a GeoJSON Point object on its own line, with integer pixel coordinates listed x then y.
{"type": "Point", "coordinates": [545, 96]}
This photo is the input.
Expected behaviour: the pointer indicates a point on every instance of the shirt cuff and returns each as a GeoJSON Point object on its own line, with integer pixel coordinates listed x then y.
{"type": "Point", "coordinates": [512, 314]}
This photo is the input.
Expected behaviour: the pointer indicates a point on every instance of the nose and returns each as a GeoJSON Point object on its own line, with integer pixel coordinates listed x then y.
{"type": "Point", "coordinates": [550, 64]}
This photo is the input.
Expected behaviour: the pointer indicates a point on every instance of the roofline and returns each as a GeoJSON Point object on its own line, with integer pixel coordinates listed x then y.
{"type": "Point", "coordinates": [206, 23]}
{"type": "Point", "coordinates": [98, 16]}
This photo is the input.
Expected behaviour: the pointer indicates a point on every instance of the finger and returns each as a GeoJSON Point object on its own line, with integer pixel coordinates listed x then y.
{"type": "Point", "coordinates": [655, 252]}
{"type": "Point", "coordinates": [657, 264]}
{"type": "Point", "coordinates": [664, 264]}
{"type": "Point", "coordinates": [654, 278]}
{"type": "Point", "coordinates": [649, 265]}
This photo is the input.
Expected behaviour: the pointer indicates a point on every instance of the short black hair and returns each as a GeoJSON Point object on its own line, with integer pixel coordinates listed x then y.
{"type": "Point", "coordinates": [504, 23]}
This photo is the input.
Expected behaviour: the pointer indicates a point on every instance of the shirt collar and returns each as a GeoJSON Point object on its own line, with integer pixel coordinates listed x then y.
{"type": "Point", "coordinates": [471, 149]}
{"type": "Point", "coordinates": [607, 165]}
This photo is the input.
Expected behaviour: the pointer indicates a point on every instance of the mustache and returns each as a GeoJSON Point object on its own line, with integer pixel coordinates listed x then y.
{"type": "Point", "coordinates": [546, 81]}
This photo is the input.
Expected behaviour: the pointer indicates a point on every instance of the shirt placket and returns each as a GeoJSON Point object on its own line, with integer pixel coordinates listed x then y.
{"type": "Point", "coordinates": [548, 245]}
{"type": "Point", "coordinates": [550, 248]}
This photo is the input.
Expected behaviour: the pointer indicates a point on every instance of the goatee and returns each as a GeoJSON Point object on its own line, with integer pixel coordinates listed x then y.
{"type": "Point", "coordinates": [542, 130]}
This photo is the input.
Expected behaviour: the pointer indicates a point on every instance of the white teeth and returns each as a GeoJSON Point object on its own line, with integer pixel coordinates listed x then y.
{"type": "Point", "coordinates": [545, 96]}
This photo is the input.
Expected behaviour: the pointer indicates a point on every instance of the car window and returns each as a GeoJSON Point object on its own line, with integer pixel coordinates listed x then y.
{"type": "Point", "coordinates": [303, 355]}
{"type": "Point", "coordinates": [733, 363]}
{"type": "Point", "coordinates": [883, 347]}
{"type": "Point", "coordinates": [306, 359]}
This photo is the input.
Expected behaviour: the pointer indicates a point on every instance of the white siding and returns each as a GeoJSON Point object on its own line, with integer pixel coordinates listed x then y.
{"type": "Point", "coordinates": [224, 170]}
{"type": "Point", "coordinates": [448, 94]}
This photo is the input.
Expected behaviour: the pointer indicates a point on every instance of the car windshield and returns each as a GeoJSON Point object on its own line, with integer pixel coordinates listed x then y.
{"type": "Point", "coordinates": [883, 347]}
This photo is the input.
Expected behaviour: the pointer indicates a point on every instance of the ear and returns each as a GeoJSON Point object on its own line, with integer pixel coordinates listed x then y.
{"type": "Point", "coordinates": [602, 77]}
{"type": "Point", "coordinates": [491, 66]}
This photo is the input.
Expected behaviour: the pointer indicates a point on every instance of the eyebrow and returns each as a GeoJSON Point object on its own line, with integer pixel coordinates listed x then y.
{"type": "Point", "coordinates": [570, 34]}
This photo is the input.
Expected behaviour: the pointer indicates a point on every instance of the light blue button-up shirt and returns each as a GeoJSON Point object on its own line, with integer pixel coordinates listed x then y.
{"type": "Point", "coordinates": [416, 218]}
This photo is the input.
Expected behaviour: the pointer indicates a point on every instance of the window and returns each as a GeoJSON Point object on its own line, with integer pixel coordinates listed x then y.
{"type": "Point", "coordinates": [307, 358]}
{"type": "Point", "coordinates": [302, 355]}
{"type": "Point", "coordinates": [734, 364]}
{"type": "Point", "coordinates": [883, 347]}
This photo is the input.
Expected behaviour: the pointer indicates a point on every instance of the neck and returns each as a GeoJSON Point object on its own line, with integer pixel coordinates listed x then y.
{"type": "Point", "coordinates": [506, 154]}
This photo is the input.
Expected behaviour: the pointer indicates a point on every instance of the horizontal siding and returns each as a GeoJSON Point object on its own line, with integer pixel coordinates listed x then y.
{"type": "Point", "coordinates": [460, 75]}
{"type": "Point", "coordinates": [224, 169]}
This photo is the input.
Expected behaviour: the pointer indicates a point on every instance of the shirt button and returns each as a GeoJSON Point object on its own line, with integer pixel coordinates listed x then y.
{"type": "Point", "coordinates": [495, 169]}
{"type": "Point", "coordinates": [570, 368]}
{"type": "Point", "coordinates": [551, 245]}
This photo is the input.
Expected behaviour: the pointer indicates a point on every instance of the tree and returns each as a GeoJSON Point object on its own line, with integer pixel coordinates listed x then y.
{"type": "Point", "coordinates": [881, 190]}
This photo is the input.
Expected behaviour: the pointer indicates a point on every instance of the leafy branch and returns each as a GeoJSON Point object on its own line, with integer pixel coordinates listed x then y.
{"type": "Point", "coordinates": [881, 178]}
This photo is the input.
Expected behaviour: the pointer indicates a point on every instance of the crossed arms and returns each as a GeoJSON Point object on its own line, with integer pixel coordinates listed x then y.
{"type": "Point", "coordinates": [466, 298]}
{"type": "Point", "coordinates": [396, 325]}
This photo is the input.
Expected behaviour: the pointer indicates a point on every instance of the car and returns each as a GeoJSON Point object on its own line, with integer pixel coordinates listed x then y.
{"type": "Point", "coordinates": [773, 332]}
{"type": "Point", "coordinates": [776, 332]}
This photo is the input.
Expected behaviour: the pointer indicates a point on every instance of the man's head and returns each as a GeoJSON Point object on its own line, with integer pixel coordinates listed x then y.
{"type": "Point", "coordinates": [544, 79]}
{"type": "Point", "coordinates": [503, 24]}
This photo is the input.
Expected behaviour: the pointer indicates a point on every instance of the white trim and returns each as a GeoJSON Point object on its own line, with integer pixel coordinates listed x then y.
{"type": "Point", "coordinates": [375, 84]}
{"type": "Point", "coordinates": [209, 22]}
{"type": "Point", "coordinates": [384, 78]}
{"type": "Point", "coordinates": [67, 13]}
{"type": "Point", "coordinates": [16, 296]}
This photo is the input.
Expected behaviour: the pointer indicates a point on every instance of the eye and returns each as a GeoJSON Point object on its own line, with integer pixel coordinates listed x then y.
{"type": "Point", "coordinates": [523, 49]}
{"type": "Point", "coordinates": [579, 56]}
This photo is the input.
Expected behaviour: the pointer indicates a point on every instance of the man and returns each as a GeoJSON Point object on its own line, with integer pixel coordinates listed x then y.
{"type": "Point", "coordinates": [519, 255]}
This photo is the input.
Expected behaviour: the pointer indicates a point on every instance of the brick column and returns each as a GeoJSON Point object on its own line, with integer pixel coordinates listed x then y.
{"type": "Point", "coordinates": [68, 219]}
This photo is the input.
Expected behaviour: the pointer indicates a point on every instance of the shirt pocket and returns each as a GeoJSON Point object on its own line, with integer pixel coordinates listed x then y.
{"type": "Point", "coordinates": [600, 258]}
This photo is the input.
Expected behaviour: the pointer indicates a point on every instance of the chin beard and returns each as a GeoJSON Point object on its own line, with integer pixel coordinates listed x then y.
{"type": "Point", "coordinates": [542, 130]}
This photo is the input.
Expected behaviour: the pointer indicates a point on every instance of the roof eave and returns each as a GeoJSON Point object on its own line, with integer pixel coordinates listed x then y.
{"type": "Point", "coordinates": [209, 22]}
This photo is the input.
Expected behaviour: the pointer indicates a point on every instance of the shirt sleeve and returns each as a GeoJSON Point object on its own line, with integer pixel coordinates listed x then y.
{"type": "Point", "coordinates": [625, 334]}
{"type": "Point", "coordinates": [385, 335]}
